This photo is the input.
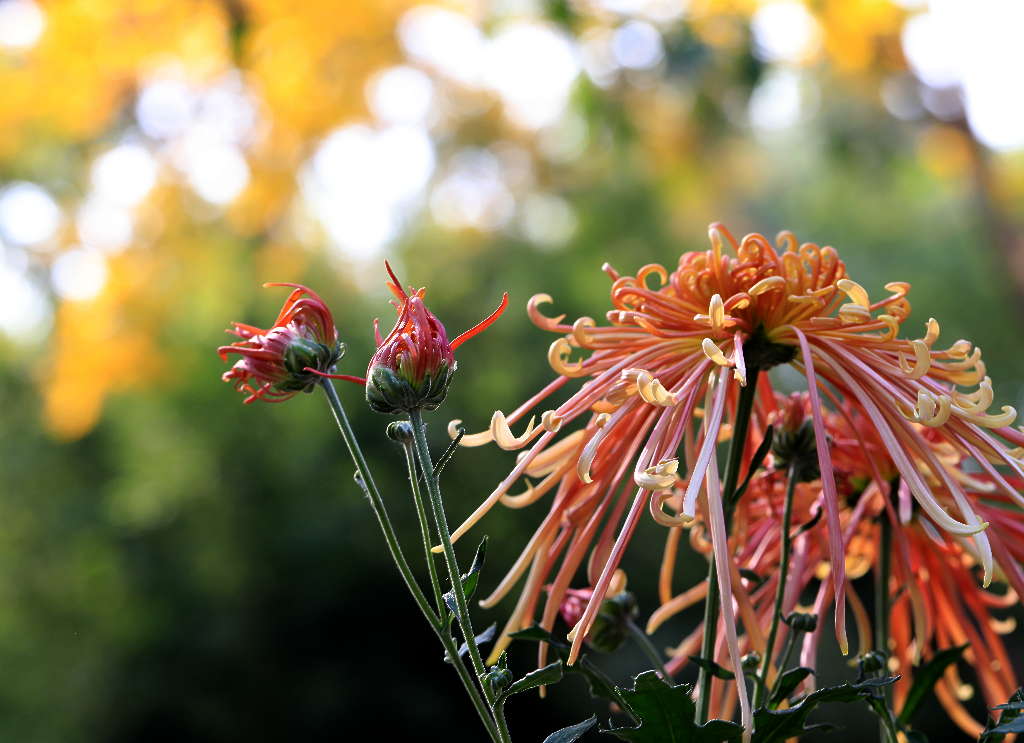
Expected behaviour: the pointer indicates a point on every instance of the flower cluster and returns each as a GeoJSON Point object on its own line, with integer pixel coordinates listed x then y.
{"type": "Point", "coordinates": [891, 462]}
{"type": "Point", "coordinates": [666, 373]}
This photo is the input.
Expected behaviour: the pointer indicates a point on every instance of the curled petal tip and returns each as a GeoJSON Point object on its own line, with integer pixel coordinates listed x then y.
{"type": "Point", "coordinates": [437, 549]}
{"type": "Point", "coordinates": [482, 325]}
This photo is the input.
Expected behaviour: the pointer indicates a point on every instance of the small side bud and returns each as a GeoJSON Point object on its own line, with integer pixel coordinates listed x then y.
{"type": "Point", "coordinates": [751, 661]}
{"type": "Point", "coordinates": [497, 679]}
{"type": "Point", "coordinates": [611, 626]}
{"type": "Point", "coordinates": [871, 662]}
{"type": "Point", "coordinates": [400, 432]}
{"type": "Point", "coordinates": [801, 622]}
{"type": "Point", "coordinates": [794, 445]}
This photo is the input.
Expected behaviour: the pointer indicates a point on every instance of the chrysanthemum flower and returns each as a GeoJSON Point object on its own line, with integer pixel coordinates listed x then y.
{"type": "Point", "coordinates": [937, 600]}
{"type": "Point", "coordinates": [283, 360]}
{"type": "Point", "coordinates": [740, 307]}
{"type": "Point", "coordinates": [413, 366]}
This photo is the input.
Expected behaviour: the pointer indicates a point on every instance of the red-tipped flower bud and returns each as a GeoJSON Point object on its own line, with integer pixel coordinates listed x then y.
{"type": "Point", "coordinates": [414, 364]}
{"type": "Point", "coordinates": [284, 360]}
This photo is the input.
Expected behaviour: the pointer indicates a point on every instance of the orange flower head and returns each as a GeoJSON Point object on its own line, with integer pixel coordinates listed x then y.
{"type": "Point", "coordinates": [664, 374]}
{"type": "Point", "coordinates": [413, 366]}
{"type": "Point", "coordinates": [287, 358]}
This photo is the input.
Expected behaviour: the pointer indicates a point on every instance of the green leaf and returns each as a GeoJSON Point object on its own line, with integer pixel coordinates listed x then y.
{"type": "Point", "coordinates": [448, 453]}
{"type": "Point", "coordinates": [1016, 725]}
{"type": "Point", "coordinates": [1011, 721]}
{"type": "Point", "coordinates": [549, 674]}
{"type": "Point", "coordinates": [486, 636]}
{"type": "Point", "coordinates": [573, 732]}
{"type": "Point", "coordinates": [666, 715]}
{"type": "Point", "coordinates": [713, 668]}
{"type": "Point", "coordinates": [809, 524]}
{"type": "Point", "coordinates": [771, 726]}
{"type": "Point", "coordinates": [469, 579]}
{"type": "Point", "coordinates": [925, 677]}
{"type": "Point", "coordinates": [786, 684]}
{"type": "Point", "coordinates": [756, 462]}
{"type": "Point", "coordinates": [599, 685]}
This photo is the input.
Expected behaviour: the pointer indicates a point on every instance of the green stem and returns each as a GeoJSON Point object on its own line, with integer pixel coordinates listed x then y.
{"type": "Point", "coordinates": [780, 589]}
{"type": "Point", "coordinates": [640, 638]}
{"type": "Point", "coordinates": [461, 605]}
{"type": "Point", "coordinates": [882, 588]}
{"type": "Point", "coordinates": [377, 504]}
{"type": "Point", "coordinates": [787, 653]}
{"type": "Point", "coordinates": [365, 480]}
{"type": "Point", "coordinates": [732, 470]}
{"type": "Point", "coordinates": [421, 514]}
{"type": "Point", "coordinates": [446, 639]}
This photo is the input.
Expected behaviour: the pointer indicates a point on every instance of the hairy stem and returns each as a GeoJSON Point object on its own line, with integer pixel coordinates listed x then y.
{"type": "Point", "coordinates": [461, 605]}
{"type": "Point", "coordinates": [472, 690]}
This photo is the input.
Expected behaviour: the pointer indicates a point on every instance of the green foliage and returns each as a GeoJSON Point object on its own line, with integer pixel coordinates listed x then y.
{"type": "Point", "coordinates": [925, 677]}
{"type": "Point", "coordinates": [599, 685]}
{"type": "Point", "coordinates": [786, 684]}
{"type": "Point", "coordinates": [774, 726]}
{"type": "Point", "coordinates": [470, 579]}
{"type": "Point", "coordinates": [549, 674]}
{"type": "Point", "coordinates": [666, 715]}
{"type": "Point", "coordinates": [1011, 721]}
{"type": "Point", "coordinates": [573, 732]}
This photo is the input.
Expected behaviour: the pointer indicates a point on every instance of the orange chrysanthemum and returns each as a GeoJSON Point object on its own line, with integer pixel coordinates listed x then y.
{"type": "Point", "coordinates": [740, 307]}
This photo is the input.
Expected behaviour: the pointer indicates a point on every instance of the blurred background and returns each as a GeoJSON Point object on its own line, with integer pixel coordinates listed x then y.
{"type": "Point", "coordinates": [177, 566]}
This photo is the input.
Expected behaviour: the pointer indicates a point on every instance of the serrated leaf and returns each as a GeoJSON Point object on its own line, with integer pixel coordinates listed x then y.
{"type": "Point", "coordinates": [925, 677]}
{"type": "Point", "coordinates": [1012, 713]}
{"type": "Point", "coordinates": [599, 685]}
{"type": "Point", "coordinates": [1011, 705]}
{"type": "Point", "coordinates": [771, 726]}
{"type": "Point", "coordinates": [1016, 725]}
{"type": "Point", "coordinates": [469, 579]}
{"type": "Point", "coordinates": [486, 636]}
{"type": "Point", "coordinates": [573, 732]}
{"type": "Point", "coordinates": [666, 715]}
{"type": "Point", "coordinates": [786, 684]}
{"type": "Point", "coordinates": [549, 674]}
{"type": "Point", "coordinates": [713, 668]}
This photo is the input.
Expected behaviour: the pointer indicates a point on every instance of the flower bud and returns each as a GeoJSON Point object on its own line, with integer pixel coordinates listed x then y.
{"type": "Point", "coordinates": [497, 679]}
{"type": "Point", "coordinates": [801, 622]}
{"type": "Point", "coordinates": [289, 357]}
{"type": "Point", "coordinates": [871, 661]}
{"type": "Point", "coordinates": [794, 443]}
{"type": "Point", "coordinates": [751, 661]}
{"type": "Point", "coordinates": [610, 628]}
{"type": "Point", "coordinates": [413, 366]}
{"type": "Point", "coordinates": [400, 432]}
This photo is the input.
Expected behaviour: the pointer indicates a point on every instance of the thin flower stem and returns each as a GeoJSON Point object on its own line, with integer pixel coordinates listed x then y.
{"type": "Point", "coordinates": [780, 589]}
{"type": "Point", "coordinates": [461, 605]}
{"type": "Point", "coordinates": [369, 487]}
{"type": "Point", "coordinates": [640, 638]}
{"type": "Point", "coordinates": [787, 653]}
{"type": "Point", "coordinates": [882, 591]}
{"type": "Point", "coordinates": [421, 513]}
{"type": "Point", "coordinates": [446, 639]}
{"type": "Point", "coordinates": [377, 504]}
{"type": "Point", "coordinates": [744, 407]}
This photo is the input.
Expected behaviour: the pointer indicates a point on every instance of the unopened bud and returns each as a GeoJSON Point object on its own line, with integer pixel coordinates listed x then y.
{"type": "Point", "coordinates": [801, 622]}
{"type": "Point", "coordinates": [400, 432]}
